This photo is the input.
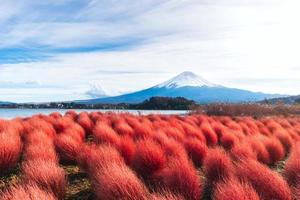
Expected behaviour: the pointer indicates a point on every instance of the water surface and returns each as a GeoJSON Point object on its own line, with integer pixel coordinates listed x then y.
{"type": "Point", "coordinates": [12, 113]}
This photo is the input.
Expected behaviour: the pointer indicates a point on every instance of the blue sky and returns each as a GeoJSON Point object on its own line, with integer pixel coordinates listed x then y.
{"type": "Point", "coordinates": [63, 49]}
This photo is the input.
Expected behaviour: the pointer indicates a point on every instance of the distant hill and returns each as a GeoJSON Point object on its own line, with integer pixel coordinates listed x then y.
{"type": "Point", "coordinates": [165, 103]}
{"type": "Point", "coordinates": [284, 100]}
{"type": "Point", "coordinates": [5, 103]}
{"type": "Point", "coordinates": [189, 86]}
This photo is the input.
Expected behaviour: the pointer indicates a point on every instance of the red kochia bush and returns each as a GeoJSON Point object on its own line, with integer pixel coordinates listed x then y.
{"type": "Point", "coordinates": [92, 158]}
{"type": "Point", "coordinates": [268, 184]}
{"type": "Point", "coordinates": [217, 166]}
{"type": "Point", "coordinates": [232, 189]}
{"type": "Point", "coordinates": [85, 121]}
{"type": "Point", "coordinates": [228, 139]}
{"type": "Point", "coordinates": [67, 147]}
{"type": "Point", "coordinates": [10, 150]}
{"type": "Point", "coordinates": [261, 152]}
{"type": "Point", "coordinates": [179, 177]}
{"type": "Point", "coordinates": [104, 134]}
{"type": "Point", "coordinates": [27, 192]}
{"type": "Point", "coordinates": [127, 149]}
{"type": "Point", "coordinates": [275, 149]}
{"type": "Point", "coordinates": [40, 151]}
{"type": "Point", "coordinates": [149, 157]}
{"type": "Point", "coordinates": [193, 132]}
{"type": "Point", "coordinates": [72, 114]}
{"type": "Point", "coordinates": [47, 175]}
{"type": "Point", "coordinates": [196, 150]}
{"type": "Point", "coordinates": [39, 124]}
{"type": "Point", "coordinates": [116, 181]}
{"type": "Point", "coordinates": [292, 167]}
{"type": "Point", "coordinates": [168, 196]}
{"type": "Point", "coordinates": [209, 133]}
{"type": "Point", "coordinates": [284, 138]}
{"type": "Point", "coordinates": [122, 128]}
{"type": "Point", "coordinates": [242, 150]}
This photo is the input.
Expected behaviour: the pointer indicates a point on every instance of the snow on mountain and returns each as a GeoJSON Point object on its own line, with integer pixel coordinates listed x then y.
{"type": "Point", "coordinates": [96, 91]}
{"type": "Point", "coordinates": [190, 86]}
{"type": "Point", "coordinates": [186, 79]}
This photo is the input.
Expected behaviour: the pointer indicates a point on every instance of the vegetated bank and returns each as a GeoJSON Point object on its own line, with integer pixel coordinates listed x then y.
{"type": "Point", "coordinates": [149, 157]}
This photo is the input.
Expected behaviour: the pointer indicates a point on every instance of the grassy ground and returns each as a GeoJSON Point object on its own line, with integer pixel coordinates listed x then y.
{"type": "Point", "coordinates": [79, 186]}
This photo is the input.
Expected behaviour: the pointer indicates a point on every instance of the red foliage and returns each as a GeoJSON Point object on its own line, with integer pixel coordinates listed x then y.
{"type": "Point", "coordinates": [72, 114]}
{"type": "Point", "coordinates": [233, 190]}
{"type": "Point", "coordinates": [275, 149]}
{"type": "Point", "coordinates": [285, 139]}
{"type": "Point", "coordinates": [242, 150]}
{"type": "Point", "coordinates": [127, 149]}
{"type": "Point", "coordinates": [174, 133]}
{"type": "Point", "coordinates": [92, 158]}
{"type": "Point", "coordinates": [47, 175]}
{"type": "Point", "coordinates": [67, 147]}
{"type": "Point", "coordinates": [268, 184]}
{"type": "Point", "coordinates": [168, 196]}
{"type": "Point", "coordinates": [38, 124]}
{"type": "Point", "coordinates": [85, 121]}
{"type": "Point", "coordinates": [210, 135]}
{"type": "Point", "coordinates": [118, 182]}
{"type": "Point", "coordinates": [122, 128]}
{"type": "Point", "coordinates": [196, 150]}
{"type": "Point", "coordinates": [148, 158]}
{"type": "Point", "coordinates": [228, 139]}
{"type": "Point", "coordinates": [191, 131]}
{"type": "Point", "coordinates": [27, 192]}
{"type": "Point", "coordinates": [104, 134]}
{"type": "Point", "coordinates": [259, 148]}
{"type": "Point", "coordinates": [10, 150]}
{"type": "Point", "coordinates": [179, 177]}
{"type": "Point", "coordinates": [292, 167]}
{"type": "Point", "coordinates": [217, 166]}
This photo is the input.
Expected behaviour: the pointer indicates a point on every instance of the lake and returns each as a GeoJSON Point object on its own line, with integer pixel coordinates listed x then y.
{"type": "Point", "coordinates": [12, 113]}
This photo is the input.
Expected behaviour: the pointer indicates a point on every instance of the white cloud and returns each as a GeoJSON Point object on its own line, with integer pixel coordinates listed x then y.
{"type": "Point", "coordinates": [224, 41]}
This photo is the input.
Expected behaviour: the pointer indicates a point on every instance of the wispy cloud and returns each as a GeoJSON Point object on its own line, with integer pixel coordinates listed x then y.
{"type": "Point", "coordinates": [129, 45]}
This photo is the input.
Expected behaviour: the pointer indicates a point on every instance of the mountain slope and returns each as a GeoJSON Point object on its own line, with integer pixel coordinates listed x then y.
{"type": "Point", "coordinates": [190, 86]}
{"type": "Point", "coordinates": [285, 100]}
{"type": "Point", "coordinates": [5, 103]}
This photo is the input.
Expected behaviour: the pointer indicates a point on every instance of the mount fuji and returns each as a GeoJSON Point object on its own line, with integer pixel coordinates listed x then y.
{"type": "Point", "coordinates": [190, 86]}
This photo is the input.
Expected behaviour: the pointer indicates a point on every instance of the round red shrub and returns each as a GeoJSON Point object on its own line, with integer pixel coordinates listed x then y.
{"type": "Point", "coordinates": [275, 149]}
{"type": "Point", "coordinates": [291, 170]}
{"type": "Point", "coordinates": [92, 158]}
{"type": "Point", "coordinates": [104, 134]}
{"type": "Point", "coordinates": [268, 184]}
{"type": "Point", "coordinates": [217, 166]}
{"type": "Point", "coordinates": [127, 149]}
{"type": "Point", "coordinates": [259, 148]}
{"type": "Point", "coordinates": [209, 134]}
{"type": "Point", "coordinates": [196, 151]}
{"type": "Point", "coordinates": [122, 128]}
{"type": "Point", "coordinates": [47, 175]}
{"type": "Point", "coordinates": [284, 138]}
{"type": "Point", "coordinates": [67, 147]}
{"type": "Point", "coordinates": [117, 181]}
{"type": "Point", "coordinates": [168, 196]}
{"type": "Point", "coordinates": [242, 150]}
{"type": "Point", "coordinates": [179, 177]}
{"type": "Point", "coordinates": [148, 158]}
{"type": "Point", "coordinates": [10, 150]}
{"type": "Point", "coordinates": [27, 192]}
{"type": "Point", "coordinates": [232, 189]}
{"type": "Point", "coordinates": [228, 140]}
{"type": "Point", "coordinates": [85, 121]}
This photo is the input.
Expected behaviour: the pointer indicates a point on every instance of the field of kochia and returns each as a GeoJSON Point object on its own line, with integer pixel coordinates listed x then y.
{"type": "Point", "coordinates": [108, 156]}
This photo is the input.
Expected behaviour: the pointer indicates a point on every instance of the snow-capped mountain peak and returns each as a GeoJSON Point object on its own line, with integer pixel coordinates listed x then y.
{"type": "Point", "coordinates": [186, 79]}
